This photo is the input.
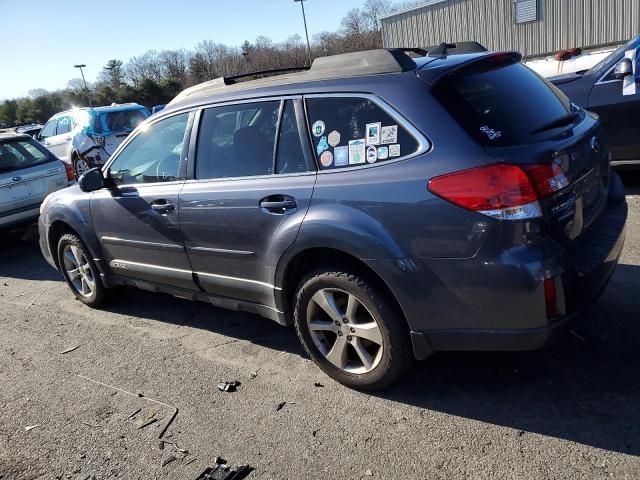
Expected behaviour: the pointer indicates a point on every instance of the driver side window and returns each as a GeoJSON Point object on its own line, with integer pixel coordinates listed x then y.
{"type": "Point", "coordinates": [153, 155]}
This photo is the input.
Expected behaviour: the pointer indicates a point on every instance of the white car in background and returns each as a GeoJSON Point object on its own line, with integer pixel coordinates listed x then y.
{"type": "Point", "coordinates": [86, 137]}
{"type": "Point", "coordinates": [28, 173]}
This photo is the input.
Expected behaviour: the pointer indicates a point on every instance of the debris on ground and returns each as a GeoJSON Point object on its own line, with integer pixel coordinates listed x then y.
{"type": "Point", "coordinates": [280, 406]}
{"type": "Point", "coordinates": [229, 386]}
{"type": "Point", "coordinates": [139, 395]}
{"type": "Point", "coordinates": [94, 425]}
{"type": "Point", "coordinates": [134, 414]}
{"type": "Point", "coordinates": [222, 472]}
{"type": "Point", "coordinates": [253, 375]}
{"type": "Point", "coordinates": [30, 427]}
{"type": "Point", "coordinates": [318, 384]}
{"type": "Point", "coordinates": [168, 460]}
{"type": "Point", "coordinates": [69, 350]}
{"type": "Point", "coordinates": [368, 473]}
{"type": "Point", "coordinates": [148, 420]}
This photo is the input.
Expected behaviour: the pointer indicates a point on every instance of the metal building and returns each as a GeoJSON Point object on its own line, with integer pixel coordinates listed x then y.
{"type": "Point", "coordinates": [533, 27]}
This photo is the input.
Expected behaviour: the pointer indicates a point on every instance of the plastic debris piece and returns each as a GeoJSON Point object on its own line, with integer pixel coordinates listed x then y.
{"type": "Point", "coordinates": [223, 472]}
{"type": "Point", "coordinates": [368, 473]}
{"type": "Point", "coordinates": [168, 460]}
{"type": "Point", "coordinates": [253, 375]}
{"type": "Point", "coordinates": [229, 386]}
{"type": "Point", "coordinates": [30, 427]}
{"type": "Point", "coordinates": [280, 406]}
{"type": "Point", "coordinates": [69, 350]}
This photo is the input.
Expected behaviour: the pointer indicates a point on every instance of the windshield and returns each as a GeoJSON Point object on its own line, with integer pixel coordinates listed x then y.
{"type": "Point", "coordinates": [119, 121]}
{"type": "Point", "coordinates": [619, 51]}
{"type": "Point", "coordinates": [19, 154]}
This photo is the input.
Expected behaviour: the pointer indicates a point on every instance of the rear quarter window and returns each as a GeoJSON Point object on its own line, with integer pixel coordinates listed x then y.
{"type": "Point", "coordinates": [355, 131]}
{"type": "Point", "coordinates": [20, 154]}
{"type": "Point", "coordinates": [502, 106]}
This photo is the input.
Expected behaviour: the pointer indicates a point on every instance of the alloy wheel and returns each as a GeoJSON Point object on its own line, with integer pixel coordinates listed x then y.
{"type": "Point", "coordinates": [81, 167]}
{"type": "Point", "coordinates": [78, 270]}
{"type": "Point", "coordinates": [344, 331]}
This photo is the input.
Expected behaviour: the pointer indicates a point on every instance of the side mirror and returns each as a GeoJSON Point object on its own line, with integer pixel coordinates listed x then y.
{"type": "Point", "coordinates": [91, 180]}
{"type": "Point", "coordinates": [623, 69]}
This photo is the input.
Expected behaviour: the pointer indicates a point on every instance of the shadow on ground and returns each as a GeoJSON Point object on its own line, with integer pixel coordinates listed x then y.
{"type": "Point", "coordinates": [585, 388]}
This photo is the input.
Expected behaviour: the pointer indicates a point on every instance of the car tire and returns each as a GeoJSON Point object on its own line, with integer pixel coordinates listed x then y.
{"type": "Point", "coordinates": [80, 165]}
{"type": "Point", "coordinates": [80, 271]}
{"type": "Point", "coordinates": [371, 348]}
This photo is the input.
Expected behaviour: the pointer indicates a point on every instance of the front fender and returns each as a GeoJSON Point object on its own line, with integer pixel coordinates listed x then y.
{"type": "Point", "coordinates": [72, 207]}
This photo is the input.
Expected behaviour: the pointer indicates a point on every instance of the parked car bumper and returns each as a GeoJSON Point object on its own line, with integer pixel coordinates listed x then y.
{"type": "Point", "coordinates": [498, 303]}
{"type": "Point", "coordinates": [20, 216]}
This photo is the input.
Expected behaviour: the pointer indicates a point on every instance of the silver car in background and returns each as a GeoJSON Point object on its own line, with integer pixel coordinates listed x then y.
{"type": "Point", "coordinates": [28, 173]}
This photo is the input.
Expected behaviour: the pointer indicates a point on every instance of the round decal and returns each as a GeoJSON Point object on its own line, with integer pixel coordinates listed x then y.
{"type": "Point", "coordinates": [372, 154]}
{"type": "Point", "coordinates": [334, 138]}
{"type": "Point", "coordinates": [326, 159]}
{"type": "Point", "coordinates": [318, 128]}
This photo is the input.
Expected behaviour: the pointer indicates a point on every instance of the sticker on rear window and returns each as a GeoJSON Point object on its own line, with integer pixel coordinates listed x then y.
{"type": "Point", "coordinates": [341, 156]}
{"type": "Point", "coordinates": [394, 150]}
{"type": "Point", "coordinates": [318, 128]}
{"type": "Point", "coordinates": [389, 135]}
{"type": "Point", "coordinates": [372, 154]}
{"type": "Point", "coordinates": [322, 145]}
{"type": "Point", "coordinates": [334, 138]}
{"type": "Point", "coordinates": [383, 153]}
{"type": "Point", "coordinates": [357, 151]}
{"type": "Point", "coordinates": [326, 159]}
{"type": "Point", "coordinates": [373, 133]}
{"type": "Point", "coordinates": [491, 133]}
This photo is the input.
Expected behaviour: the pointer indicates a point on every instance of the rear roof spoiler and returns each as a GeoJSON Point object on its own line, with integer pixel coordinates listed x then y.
{"type": "Point", "coordinates": [490, 60]}
{"type": "Point", "coordinates": [457, 48]}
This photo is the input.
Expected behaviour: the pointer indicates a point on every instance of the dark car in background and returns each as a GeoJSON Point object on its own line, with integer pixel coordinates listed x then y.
{"type": "Point", "coordinates": [387, 207]}
{"type": "Point", "coordinates": [611, 88]}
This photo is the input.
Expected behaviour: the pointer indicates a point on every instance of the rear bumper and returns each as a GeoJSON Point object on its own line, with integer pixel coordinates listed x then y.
{"type": "Point", "coordinates": [496, 301]}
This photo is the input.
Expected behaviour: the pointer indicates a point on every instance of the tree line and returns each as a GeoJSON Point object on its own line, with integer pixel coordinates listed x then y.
{"type": "Point", "coordinates": [157, 76]}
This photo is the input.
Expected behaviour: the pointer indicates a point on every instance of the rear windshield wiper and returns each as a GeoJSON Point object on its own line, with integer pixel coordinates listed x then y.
{"type": "Point", "coordinates": [558, 122]}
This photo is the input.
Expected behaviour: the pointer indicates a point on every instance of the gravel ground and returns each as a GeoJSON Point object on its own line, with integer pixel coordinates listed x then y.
{"type": "Point", "coordinates": [569, 411]}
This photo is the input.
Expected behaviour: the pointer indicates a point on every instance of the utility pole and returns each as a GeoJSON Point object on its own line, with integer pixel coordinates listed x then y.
{"type": "Point", "coordinates": [85, 82]}
{"type": "Point", "coordinates": [306, 32]}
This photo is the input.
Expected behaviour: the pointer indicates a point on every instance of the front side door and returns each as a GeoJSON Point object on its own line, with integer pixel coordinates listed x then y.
{"type": "Point", "coordinates": [619, 115]}
{"type": "Point", "coordinates": [247, 196]}
{"type": "Point", "coordinates": [136, 221]}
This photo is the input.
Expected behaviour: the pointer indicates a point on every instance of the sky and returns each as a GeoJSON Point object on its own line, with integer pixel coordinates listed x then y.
{"type": "Point", "coordinates": [40, 40]}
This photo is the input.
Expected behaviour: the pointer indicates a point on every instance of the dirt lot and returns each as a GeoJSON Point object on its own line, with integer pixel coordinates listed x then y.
{"type": "Point", "coordinates": [570, 411]}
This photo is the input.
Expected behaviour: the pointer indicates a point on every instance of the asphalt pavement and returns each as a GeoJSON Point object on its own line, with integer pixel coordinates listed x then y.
{"type": "Point", "coordinates": [79, 392]}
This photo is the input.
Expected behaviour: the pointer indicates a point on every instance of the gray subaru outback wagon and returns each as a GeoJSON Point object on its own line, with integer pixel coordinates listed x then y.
{"type": "Point", "coordinates": [388, 206]}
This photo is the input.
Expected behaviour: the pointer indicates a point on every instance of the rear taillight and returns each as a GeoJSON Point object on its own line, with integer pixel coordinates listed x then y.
{"type": "Point", "coordinates": [499, 191]}
{"type": "Point", "coordinates": [550, 298]}
{"type": "Point", "coordinates": [70, 173]}
{"type": "Point", "coordinates": [505, 192]}
{"type": "Point", "coordinates": [548, 179]}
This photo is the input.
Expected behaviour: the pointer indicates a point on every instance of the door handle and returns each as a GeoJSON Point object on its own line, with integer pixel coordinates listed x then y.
{"type": "Point", "coordinates": [278, 203]}
{"type": "Point", "coordinates": [163, 207]}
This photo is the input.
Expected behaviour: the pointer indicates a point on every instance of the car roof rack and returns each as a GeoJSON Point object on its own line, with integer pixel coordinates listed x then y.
{"type": "Point", "coordinates": [346, 65]}
{"type": "Point", "coordinates": [457, 48]}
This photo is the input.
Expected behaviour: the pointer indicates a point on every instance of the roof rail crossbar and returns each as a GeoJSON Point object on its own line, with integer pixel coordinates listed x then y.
{"type": "Point", "coordinates": [233, 79]}
{"type": "Point", "coordinates": [455, 48]}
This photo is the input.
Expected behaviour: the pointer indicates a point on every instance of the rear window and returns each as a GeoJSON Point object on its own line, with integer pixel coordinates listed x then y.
{"type": "Point", "coordinates": [20, 154]}
{"type": "Point", "coordinates": [120, 121]}
{"type": "Point", "coordinates": [505, 106]}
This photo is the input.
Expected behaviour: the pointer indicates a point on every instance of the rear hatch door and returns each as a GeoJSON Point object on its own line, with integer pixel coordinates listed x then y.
{"type": "Point", "coordinates": [520, 118]}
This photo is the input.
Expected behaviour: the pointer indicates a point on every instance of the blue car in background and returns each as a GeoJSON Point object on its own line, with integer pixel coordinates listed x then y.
{"type": "Point", "coordinates": [87, 137]}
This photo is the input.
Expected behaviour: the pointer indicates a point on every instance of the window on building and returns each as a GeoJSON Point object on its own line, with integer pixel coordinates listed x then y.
{"type": "Point", "coordinates": [526, 11]}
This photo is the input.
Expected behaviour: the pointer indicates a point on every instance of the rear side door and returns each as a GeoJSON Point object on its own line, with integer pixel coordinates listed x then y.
{"type": "Point", "coordinates": [136, 221]}
{"type": "Point", "coordinates": [619, 114]}
{"type": "Point", "coordinates": [247, 195]}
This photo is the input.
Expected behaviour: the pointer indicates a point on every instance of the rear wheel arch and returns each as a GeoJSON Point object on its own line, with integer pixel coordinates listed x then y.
{"type": "Point", "coordinates": [311, 259]}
